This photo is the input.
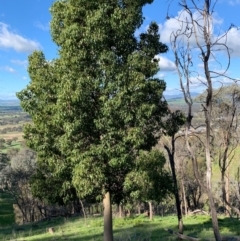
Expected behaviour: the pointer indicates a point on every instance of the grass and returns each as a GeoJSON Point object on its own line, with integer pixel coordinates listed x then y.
{"type": "Point", "coordinates": [6, 210]}
{"type": "Point", "coordinates": [10, 135]}
{"type": "Point", "coordinates": [15, 144]}
{"type": "Point", "coordinates": [137, 228]}
{"type": "Point", "coordinates": [12, 125]}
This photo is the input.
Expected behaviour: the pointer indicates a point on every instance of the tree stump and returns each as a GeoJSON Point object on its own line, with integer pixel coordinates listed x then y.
{"type": "Point", "coordinates": [51, 230]}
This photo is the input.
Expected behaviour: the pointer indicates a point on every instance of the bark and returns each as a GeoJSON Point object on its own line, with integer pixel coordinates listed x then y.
{"type": "Point", "coordinates": [184, 199]}
{"type": "Point", "coordinates": [228, 209]}
{"type": "Point", "coordinates": [208, 117]}
{"type": "Point", "coordinates": [225, 193]}
{"type": "Point", "coordinates": [150, 210]}
{"type": "Point", "coordinates": [108, 232]}
{"type": "Point", "coordinates": [208, 111]}
{"type": "Point", "coordinates": [224, 164]}
{"type": "Point", "coordinates": [83, 210]}
{"type": "Point", "coordinates": [139, 208]}
{"type": "Point", "coordinates": [120, 210]}
{"type": "Point", "coordinates": [171, 154]}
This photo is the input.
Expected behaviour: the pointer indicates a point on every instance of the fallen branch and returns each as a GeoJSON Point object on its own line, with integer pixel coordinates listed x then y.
{"type": "Point", "coordinates": [183, 236]}
{"type": "Point", "coordinates": [199, 211]}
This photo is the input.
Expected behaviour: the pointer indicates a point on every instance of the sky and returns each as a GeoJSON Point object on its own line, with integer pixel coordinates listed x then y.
{"type": "Point", "coordinates": [24, 27]}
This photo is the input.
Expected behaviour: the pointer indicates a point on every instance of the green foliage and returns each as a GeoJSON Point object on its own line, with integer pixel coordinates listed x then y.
{"type": "Point", "coordinates": [99, 103]}
{"type": "Point", "coordinates": [174, 121]}
{"type": "Point", "coordinates": [149, 181]}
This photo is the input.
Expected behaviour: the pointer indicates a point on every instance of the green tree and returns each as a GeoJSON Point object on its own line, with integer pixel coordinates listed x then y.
{"type": "Point", "coordinates": [2, 142]}
{"type": "Point", "coordinates": [149, 181]}
{"type": "Point", "coordinates": [172, 125]}
{"type": "Point", "coordinates": [99, 103]}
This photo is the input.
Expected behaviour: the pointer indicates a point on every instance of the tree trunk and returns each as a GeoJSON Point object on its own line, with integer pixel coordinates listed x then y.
{"type": "Point", "coordinates": [225, 193]}
{"type": "Point", "coordinates": [108, 232]}
{"type": "Point", "coordinates": [209, 173]}
{"type": "Point", "coordinates": [184, 199]}
{"type": "Point", "coordinates": [120, 210]}
{"type": "Point", "coordinates": [83, 210]}
{"type": "Point", "coordinates": [139, 208]}
{"type": "Point", "coordinates": [150, 210]}
{"type": "Point", "coordinates": [228, 209]}
{"type": "Point", "coordinates": [175, 185]}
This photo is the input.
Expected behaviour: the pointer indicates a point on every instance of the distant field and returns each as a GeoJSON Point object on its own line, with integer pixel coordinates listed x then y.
{"type": "Point", "coordinates": [176, 102]}
{"type": "Point", "coordinates": [11, 135]}
{"type": "Point", "coordinates": [10, 126]}
{"type": "Point", "coordinates": [12, 117]}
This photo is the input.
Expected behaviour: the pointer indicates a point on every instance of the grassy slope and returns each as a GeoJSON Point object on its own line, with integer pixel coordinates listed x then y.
{"type": "Point", "coordinates": [6, 210]}
{"type": "Point", "coordinates": [137, 229]}
{"type": "Point", "coordinates": [124, 229]}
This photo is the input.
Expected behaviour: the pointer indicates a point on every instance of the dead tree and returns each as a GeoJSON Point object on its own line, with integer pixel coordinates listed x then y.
{"type": "Point", "coordinates": [195, 32]}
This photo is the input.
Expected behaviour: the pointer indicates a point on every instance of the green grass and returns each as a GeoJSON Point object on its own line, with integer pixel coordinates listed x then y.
{"type": "Point", "coordinates": [16, 144]}
{"type": "Point", "coordinates": [6, 210]}
{"type": "Point", "coordinates": [132, 229]}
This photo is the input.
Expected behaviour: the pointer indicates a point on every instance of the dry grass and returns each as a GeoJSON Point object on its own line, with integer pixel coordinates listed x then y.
{"type": "Point", "coordinates": [11, 135]}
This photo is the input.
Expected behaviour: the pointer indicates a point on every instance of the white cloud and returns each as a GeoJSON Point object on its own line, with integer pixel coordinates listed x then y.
{"type": "Point", "coordinates": [11, 40]}
{"type": "Point", "coordinates": [44, 27]}
{"type": "Point", "coordinates": [8, 69]}
{"type": "Point", "coordinates": [198, 83]}
{"type": "Point", "coordinates": [178, 25]}
{"type": "Point", "coordinates": [160, 75]}
{"type": "Point", "coordinates": [24, 78]}
{"type": "Point", "coordinates": [23, 63]}
{"type": "Point", "coordinates": [19, 62]}
{"type": "Point", "coordinates": [232, 41]}
{"type": "Point", "coordinates": [166, 64]}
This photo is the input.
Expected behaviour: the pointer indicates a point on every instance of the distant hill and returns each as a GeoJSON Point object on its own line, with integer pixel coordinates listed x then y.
{"type": "Point", "coordinates": [179, 96]}
{"type": "Point", "coordinates": [14, 102]}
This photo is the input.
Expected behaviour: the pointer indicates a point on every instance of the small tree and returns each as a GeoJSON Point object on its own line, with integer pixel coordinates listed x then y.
{"type": "Point", "coordinates": [149, 181]}
{"type": "Point", "coordinates": [15, 179]}
{"type": "Point", "coordinates": [173, 122]}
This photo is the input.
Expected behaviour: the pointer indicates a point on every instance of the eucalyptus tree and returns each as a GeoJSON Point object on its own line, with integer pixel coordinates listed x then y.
{"type": "Point", "coordinates": [99, 102]}
{"type": "Point", "coordinates": [226, 136]}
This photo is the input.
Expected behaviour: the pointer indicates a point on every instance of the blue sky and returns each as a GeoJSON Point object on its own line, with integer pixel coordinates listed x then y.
{"type": "Point", "coordinates": [24, 27]}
